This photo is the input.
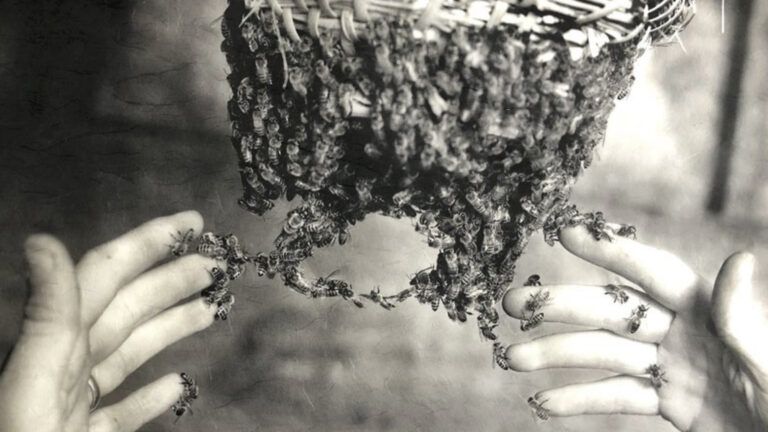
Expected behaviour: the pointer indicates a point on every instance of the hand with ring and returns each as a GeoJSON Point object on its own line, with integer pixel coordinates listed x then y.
{"type": "Point", "coordinates": [90, 325]}
{"type": "Point", "coordinates": [693, 353]}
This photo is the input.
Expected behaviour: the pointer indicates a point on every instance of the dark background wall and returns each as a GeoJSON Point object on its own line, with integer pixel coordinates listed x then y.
{"type": "Point", "coordinates": [113, 112]}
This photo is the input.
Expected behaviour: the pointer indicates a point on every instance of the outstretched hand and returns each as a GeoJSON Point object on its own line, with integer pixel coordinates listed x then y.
{"type": "Point", "coordinates": [698, 356]}
{"type": "Point", "coordinates": [103, 317]}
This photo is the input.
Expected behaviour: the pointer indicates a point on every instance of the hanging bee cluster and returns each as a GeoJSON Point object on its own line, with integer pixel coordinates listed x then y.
{"type": "Point", "coordinates": [477, 134]}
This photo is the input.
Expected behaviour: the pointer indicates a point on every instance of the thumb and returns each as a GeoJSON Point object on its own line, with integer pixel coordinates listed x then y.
{"type": "Point", "coordinates": [52, 314]}
{"type": "Point", "coordinates": [737, 313]}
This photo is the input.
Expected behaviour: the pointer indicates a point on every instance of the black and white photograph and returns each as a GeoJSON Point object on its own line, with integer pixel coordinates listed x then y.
{"type": "Point", "coordinates": [383, 215]}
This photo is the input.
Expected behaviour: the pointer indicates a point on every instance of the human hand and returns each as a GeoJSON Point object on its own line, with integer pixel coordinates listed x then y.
{"type": "Point", "coordinates": [709, 341]}
{"type": "Point", "coordinates": [104, 318]}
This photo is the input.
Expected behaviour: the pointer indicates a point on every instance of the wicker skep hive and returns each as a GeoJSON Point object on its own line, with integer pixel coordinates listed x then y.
{"type": "Point", "coordinates": [472, 117]}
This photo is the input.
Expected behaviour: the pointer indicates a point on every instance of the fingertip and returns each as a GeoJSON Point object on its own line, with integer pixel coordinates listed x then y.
{"type": "Point", "coordinates": [523, 357]}
{"type": "Point", "coordinates": [190, 219]}
{"type": "Point", "coordinates": [513, 301]}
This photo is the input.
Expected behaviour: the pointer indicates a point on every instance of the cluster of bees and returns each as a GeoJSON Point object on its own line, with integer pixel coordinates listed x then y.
{"type": "Point", "coordinates": [188, 394]}
{"type": "Point", "coordinates": [476, 135]}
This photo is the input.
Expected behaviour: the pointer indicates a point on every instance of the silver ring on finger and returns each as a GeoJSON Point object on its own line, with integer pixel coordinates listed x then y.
{"type": "Point", "coordinates": [95, 394]}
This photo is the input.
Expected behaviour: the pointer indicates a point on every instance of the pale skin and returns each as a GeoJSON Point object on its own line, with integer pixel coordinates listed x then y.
{"type": "Point", "coordinates": [106, 315]}
{"type": "Point", "coordinates": [710, 339]}
{"type": "Point", "coordinates": [116, 308]}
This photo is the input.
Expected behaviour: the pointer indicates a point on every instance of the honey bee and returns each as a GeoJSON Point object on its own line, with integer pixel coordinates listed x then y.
{"type": "Point", "coordinates": [636, 318]}
{"type": "Point", "coordinates": [531, 323]}
{"type": "Point", "coordinates": [533, 280]}
{"type": "Point", "coordinates": [295, 280]}
{"type": "Point", "coordinates": [261, 263]}
{"type": "Point", "coordinates": [492, 239]}
{"type": "Point", "coordinates": [212, 239]}
{"type": "Point", "coordinates": [258, 123]}
{"type": "Point", "coordinates": [270, 175]}
{"type": "Point", "coordinates": [324, 73]}
{"type": "Point", "coordinates": [471, 105]}
{"type": "Point", "coordinates": [434, 302]}
{"type": "Point", "coordinates": [537, 301]}
{"type": "Point", "coordinates": [212, 250]}
{"type": "Point", "coordinates": [451, 261]}
{"type": "Point", "coordinates": [245, 94]}
{"type": "Point", "coordinates": [486, 330]}
{"type": "Point", "coordinates": [219, 277]}
{"type": "Point", "coordinates": [627, 231]}
{"type": "Point", "coordinates": [181, 242]}
{"type": "Point", "coordinates": [383, 63]}
{"type": "Point", "coordinates": [500, 356]}
{"type": "Point", "coordinates": [657, 374]}
{"type": "Point", "coordinates": [363, 188]}
{"type": "Point", "coordinates": [224, 304]}
{"type": "Point", "coordinates": [190, 393]}
{"type": "Point", "coordinates": [625, 91]}
{"type": "Point", "coordinates": [402, 295]}
{"type": "Point", "coordinates": [234, 270]}
{"type": "Point", "coordinates": [298, 79]}
{"type": "Point", "coordinates": [617, 293]}
{"type": "Point", "coordinates": [255, 204]}
{"type": "Point", "coordinates": [262, 69]}
{"type": "Point", "coordinates": [376, 297]}
{"type": "Point", "coordinates": [537, 407]}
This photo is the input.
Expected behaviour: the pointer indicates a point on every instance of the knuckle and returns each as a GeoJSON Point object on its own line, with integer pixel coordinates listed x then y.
{"type": "Point", "coordinates": [124, 362]}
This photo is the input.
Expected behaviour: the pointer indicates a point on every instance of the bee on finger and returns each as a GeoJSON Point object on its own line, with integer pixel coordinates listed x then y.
{"type": "Point", "coordinates": [636, 318]}
{"type": "Point", "coordinates": [537, 301]}
{"type": "Point", "coordinates": [628, 231]}
{"type": "Point", "coordinates": [219, 277]}
{"type": "Point", "coordinates": [181, 242]}
{"type": "Point", "coordinates": [500, 356]}
{"type": "Point", "coordinates": [617, 293]}
{"type": "Point", "coordinates": [532, 322]}
{"type": "Point", "coordinates": [188, 394]}
{"type": "Point", "coordinates": [225, 306]}
{"type": "Point", "coordinates": [537, 407]}
{"type": "Point", "coordinates": [657, 374]}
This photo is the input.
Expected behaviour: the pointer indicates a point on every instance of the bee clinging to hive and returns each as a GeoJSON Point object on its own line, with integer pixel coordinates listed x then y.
{"type": "Point", "coordinates": [472, 118]}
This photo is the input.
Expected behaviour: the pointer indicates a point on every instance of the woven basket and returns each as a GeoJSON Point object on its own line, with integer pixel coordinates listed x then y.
{"type": "Point", "coordinates": [473, 118]}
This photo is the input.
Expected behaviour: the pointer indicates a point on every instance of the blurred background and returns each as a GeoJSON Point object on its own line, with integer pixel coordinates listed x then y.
{"type": "Point", "coordinates": [113, 112]}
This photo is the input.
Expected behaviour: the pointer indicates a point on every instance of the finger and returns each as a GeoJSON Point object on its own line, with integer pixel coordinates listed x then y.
{"type": "Point", "coordinates": [591, 306]}
{"type": "Point", "coordinates": [52, 315]}
{"type": "Point", "coordinates": [615, 395]}
{"type": "Point", "coordinates": [661, 274]}
{"type": "Point", "coordinates": [105, 269]}
{"type": "Point", "coordinates": [146, 296]}
{"type": "Point", "coordinates": [150, 338]}
{"type": "Point", "coordinates": [139, 408]}
{"type": "Point", "coordinates": [739, 319]}
{"type": "Point", "coordinates": [597, 349]}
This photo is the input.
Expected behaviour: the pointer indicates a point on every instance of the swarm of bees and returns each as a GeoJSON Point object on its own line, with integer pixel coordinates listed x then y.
{"type": "Point", "coordinates": [188, 394]}
{"type": "Point", "coordinates": [476, 133]}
